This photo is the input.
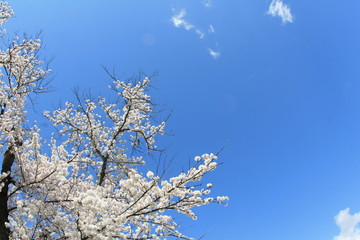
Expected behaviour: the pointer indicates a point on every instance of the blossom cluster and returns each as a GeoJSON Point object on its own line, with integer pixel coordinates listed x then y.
{"type": "Point", "coordinates": [86, 184]}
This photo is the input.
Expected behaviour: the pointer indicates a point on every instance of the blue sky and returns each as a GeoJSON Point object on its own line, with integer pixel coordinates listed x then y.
{"type": "Point", "coordinates": [278, 82]}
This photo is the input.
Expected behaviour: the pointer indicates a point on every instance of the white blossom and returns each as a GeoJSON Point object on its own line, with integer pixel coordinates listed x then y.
{"type": "Point", "coordinates": [86, 185]}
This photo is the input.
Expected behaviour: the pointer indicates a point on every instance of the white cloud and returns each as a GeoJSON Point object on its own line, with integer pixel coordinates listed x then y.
{"type": "Point", "coordinates": [213, 53]}
{"type": "Point", "coordinates": [278, 8]}
{"type": "Point", "coordinates": [211, 29]}
{"type": "Point", "coordinates": [200, 33]}
{"type": "Point", "coordinates": [179, 21]}
{"type": "Point", "coordinates": [207, 3]}
{"type": "Point", "coordinates": [349, 229]}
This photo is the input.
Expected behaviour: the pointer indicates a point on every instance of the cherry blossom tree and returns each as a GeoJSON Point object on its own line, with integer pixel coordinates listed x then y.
{"type": "Point", "coordinates": [86, 186]}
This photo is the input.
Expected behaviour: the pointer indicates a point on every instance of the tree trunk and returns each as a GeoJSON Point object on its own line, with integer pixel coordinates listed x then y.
{"type": "Point", "coordinates": [4, 210]}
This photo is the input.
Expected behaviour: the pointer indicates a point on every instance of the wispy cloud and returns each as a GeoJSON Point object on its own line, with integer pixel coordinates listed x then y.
{"type": "Point", "coordinates": [207, 3]}
{"type": "Point", "coordinates": [213, 53]}
{"type": "Point", "coordinates": [279, 9]}
{"type": "Point", "coordinates": [349, 229]}
{"type": "Point", "coordinates": [211, 29]}
{"type": "Point", "coordinates": [179, 21]}
{"type": "Point", "coordinates": [200, 33]}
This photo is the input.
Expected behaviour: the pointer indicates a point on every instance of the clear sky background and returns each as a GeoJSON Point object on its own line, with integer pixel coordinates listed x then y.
{"type": "Point", "coordinates": [279, 85]}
